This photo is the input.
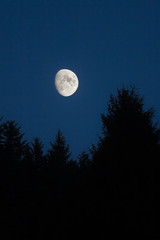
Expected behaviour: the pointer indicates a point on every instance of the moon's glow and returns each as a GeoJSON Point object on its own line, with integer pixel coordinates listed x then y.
{"type": "Point", "coordinates": [66, 82]}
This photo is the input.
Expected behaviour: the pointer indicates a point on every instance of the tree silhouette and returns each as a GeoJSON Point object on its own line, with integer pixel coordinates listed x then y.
{"type": "Point", "coordinates": [28, 153]}
{"type": "Point", "coordinates": [37, 154]}
{"type": "Point", "coordinates": [1, 143]}
{"type": "Point", "coordinates": [13, 143]}
{"type": "Point", "coordinates": [129, 131]}
{"type": "Point", "coordinates": [59, 153]}
{"type": "Point", "coordinates": [126, 160]}
{"type": "Point", "coordinates": [84, 161]}
{"type": "Point", "coordinates": [1, 133]}
{"type": "Point", "coordinates": [115, 191]}
{"type": "Point", "coordinates": [27, 164]}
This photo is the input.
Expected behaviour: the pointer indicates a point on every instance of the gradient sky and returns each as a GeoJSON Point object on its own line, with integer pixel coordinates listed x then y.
{"type": "Point", "coordinates": [107, 43]}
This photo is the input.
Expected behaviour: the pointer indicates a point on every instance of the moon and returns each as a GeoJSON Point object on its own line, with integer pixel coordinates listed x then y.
{"type": "Point", "coordinates": [66, 82]}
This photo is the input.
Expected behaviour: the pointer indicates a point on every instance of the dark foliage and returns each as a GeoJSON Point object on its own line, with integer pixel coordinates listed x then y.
{"type": "Point", "coordinates": [13, 143]}
{"type": "Point", "coordinates": [59, 153]}
{"type": "Point", "coordinates": [38, 157]}
{"type": "Point", "coordinates": [114, 193]}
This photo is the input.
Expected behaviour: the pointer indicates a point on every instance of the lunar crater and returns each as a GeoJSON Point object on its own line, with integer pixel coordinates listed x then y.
{"type": "Point", "coordinates": [66, 82]}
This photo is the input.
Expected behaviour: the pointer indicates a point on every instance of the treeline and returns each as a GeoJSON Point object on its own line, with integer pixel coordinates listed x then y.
{"type": "Point", "coordinates": [113, 192]}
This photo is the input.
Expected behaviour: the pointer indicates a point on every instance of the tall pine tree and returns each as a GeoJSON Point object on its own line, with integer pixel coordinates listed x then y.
{"type": "Point", "coordinates": [13, 143]}
{"type": "Point", "coordinates": [37, 154]}
{"type": "Point", "coordinates": [59, 153]}
{"type": "Point", "coordinates": [126, 162]}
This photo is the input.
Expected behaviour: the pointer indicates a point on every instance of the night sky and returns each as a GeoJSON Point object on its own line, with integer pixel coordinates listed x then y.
{"type": "Point", "coordinates": [107, 43]}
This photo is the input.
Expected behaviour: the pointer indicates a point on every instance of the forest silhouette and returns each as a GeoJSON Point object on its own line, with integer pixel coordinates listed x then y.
{"type": "Point", "coordinates": [112, 192]}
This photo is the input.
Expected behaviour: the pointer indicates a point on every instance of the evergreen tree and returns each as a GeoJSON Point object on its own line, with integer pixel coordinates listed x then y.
{"type": "Point", "coordinates": [126, 161]}
{"type": "Point", "coordinates": [129, 132]}
{"type": "Point", "coordinates": [27, 163]}
{"type": "Point", "coordinates": [28, 153]}
{"type": "Point", "coordinates": [2, 160]}
{"type": "Point", "coordinates": [37, 154]}
{"type": "Point", "coordinates": [84, 161]}
{"type": "Point", "coordinates": [1, 140]}
{"type": "Point", "coordinates": [59, 153]}
{"type": "Point", "coordinates": [13, 143]}
{"type": "Point", "coordinates": [1, 133]}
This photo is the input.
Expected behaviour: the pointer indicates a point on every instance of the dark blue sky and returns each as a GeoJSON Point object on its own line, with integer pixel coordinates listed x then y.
{"type": "Point", "coordinates": [106, 43]}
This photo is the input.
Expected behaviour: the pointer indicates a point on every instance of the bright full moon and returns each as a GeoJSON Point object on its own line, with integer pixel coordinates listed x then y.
{"type": "Point", "coordinates": [66, 82]}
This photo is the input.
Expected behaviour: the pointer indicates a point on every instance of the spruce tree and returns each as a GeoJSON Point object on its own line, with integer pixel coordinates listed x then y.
{"type": "Point", "coordinates": [37, 154]}
{"type": "Point", "coordinates": [130, 137]}
{"type": "Point", "coordinates": [1, 139]}
{"type": "Point", "coordinates": [84, 161]}
{"type": "Point", "coordinates": [126, 162]}
{"type": "Point", "coordinates": [59, 154]}
{"type": "Point", "coordinates": [13, 143]}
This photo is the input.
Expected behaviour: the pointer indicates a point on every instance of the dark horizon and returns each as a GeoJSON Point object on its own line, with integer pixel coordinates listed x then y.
{"type": "Point", "coordinates": [113, 192]}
